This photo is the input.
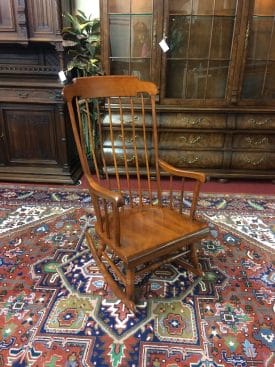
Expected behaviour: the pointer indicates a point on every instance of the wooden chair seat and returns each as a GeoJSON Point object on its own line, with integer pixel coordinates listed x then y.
{"type": "Point", "coordinates": [149, 232]}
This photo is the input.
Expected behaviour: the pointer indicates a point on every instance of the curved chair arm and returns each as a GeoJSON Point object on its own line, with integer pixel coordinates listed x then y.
{"type": "Point", "coordinates": [199, 176]}
{"type": "Point", "coordinates": [105, 193]}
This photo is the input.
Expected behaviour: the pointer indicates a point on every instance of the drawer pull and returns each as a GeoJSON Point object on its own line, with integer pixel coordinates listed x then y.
{"type": "Point", "coordinates": [132, 159]}
{"type": "Point", "coordinates": [254, 141]}
{"type": "Point", "coordinates": [255, 163]}
{"type": "Point", "coordinates": [260, 122]}
{"type": "Point", "coordinates": [191, 141]}
{"type": "Point", "coordinates": [193, 122]}
{"type": "Point", "coordinates": [23, 94]}
{"type": "Point", "coordinates": [129, 120]}
{"type": "Point", "coordinates": [191, 160]}
{"type": "Point", "coordinates": [128, 140]}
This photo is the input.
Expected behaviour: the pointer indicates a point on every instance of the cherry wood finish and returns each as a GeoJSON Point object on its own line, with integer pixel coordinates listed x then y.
{"type": "Point", "coordinates": [36, 141]}
{"type": "Point", "coordinates": [217, 97]}
{"type": "Point", "coordinates": [140, 226]}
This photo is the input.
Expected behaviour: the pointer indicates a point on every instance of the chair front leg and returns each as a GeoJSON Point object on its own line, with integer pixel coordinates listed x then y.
{"type": "Point", "coordinates": [130, 284]}
{"type": "Point", "coordinates": [101, 248]}
{"type": "Point", "coordinates": [194, 259]}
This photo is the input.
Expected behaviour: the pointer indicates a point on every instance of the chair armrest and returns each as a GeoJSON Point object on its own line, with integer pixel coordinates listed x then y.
{"type": "Point", "coordinates": [98, 190]}
{"type": "Point", "coordinates": [199, 176]}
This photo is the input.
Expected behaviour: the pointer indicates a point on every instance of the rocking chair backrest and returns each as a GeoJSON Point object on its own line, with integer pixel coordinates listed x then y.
{"type": "Point", "coordinates": [115, 128]}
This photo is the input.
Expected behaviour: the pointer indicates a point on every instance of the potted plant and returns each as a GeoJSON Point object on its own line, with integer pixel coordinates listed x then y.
{"type": "Point", "coordinates": [81, 41]}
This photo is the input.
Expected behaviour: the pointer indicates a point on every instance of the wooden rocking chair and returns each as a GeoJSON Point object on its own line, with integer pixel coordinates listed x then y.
{"type": "Point", "coordinates": [138, 224]}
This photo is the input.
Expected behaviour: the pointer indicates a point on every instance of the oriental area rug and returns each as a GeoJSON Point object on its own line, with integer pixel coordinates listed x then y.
{"type": "Point", "coordinates": [56, 310]}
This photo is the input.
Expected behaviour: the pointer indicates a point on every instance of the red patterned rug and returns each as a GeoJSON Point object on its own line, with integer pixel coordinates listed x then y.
{"type": "Point", "coordinates": [56, 310]}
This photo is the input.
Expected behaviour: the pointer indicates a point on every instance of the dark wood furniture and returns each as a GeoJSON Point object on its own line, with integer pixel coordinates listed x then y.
{"type": "Point", "coordinates": [217, 93]}
{"type": "Point", "coordinates": [139, 227]}
{"type": "Point", "coordinates": [36, 141]}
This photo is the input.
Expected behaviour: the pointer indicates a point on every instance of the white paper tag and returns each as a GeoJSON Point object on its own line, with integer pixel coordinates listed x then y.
{"type": "Point", "coordinates": [163, 45]}
{"type": "Point", "coordinates": [62, 76]}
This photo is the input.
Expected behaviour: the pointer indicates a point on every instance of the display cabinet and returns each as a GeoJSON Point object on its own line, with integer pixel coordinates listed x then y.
{"type": "Point", "coordinates": [36, 143]}
{"type": "Point", "coordinates": [217, 96]}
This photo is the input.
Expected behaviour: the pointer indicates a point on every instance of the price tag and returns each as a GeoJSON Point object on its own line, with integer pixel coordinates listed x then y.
{"type": "Point", "coordinates": [163, 45]}
{"type": "Point", "coordinates": [62, 76]}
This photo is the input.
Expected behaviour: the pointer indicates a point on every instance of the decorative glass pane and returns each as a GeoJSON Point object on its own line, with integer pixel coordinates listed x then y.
{"type": "Point", "coordinates": [141, 69]}
{"type": "Point", "coordinates": [142, 6]}
{"type": "Point", "coordinates": [272, 46]}
{"type": "Point", "coordinates": [176, 79]}
{"type": "Point", "coordinates": [205, 7]}
{"type": "Point", "coordinates": [225, 7]}
{"type": "Point", "coordinates": [264, 7]}
{"type": "Point", "coordinates": [253, 80]}
{"type": "Point", "coordinates": [120, 35]}
{"type": "Point", "coordinates": [141, 36]}
{"type": "Point", "coordinates": [269, 90]}
{"type": "Point", "coordinates": [216, 79]}
{"type": "Point", "coordinates": [120, 66]}
{"type": "Point", "coordinates": [184, 7]}
{"type": "Point", "coordinates": [260, 38]}
{"type": "Point", "coordinates": [196, 79]}
{"type": "Point", "coordinates": [118, 6]}
{"type": "Point", "coordinates": [178, 36]}
{"type": "Point", "coordinates": [260, 67]}
{"type": "Point", "coordinates": [222, 37]}
{"type": "Point", "coordinates": [200, 33]}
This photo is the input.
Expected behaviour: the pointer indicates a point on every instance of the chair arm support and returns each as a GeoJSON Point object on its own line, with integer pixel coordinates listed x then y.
{"type": "Point", "coordinates": [105, 193]}
{"type": "Point", "coordinates": [199, 176]}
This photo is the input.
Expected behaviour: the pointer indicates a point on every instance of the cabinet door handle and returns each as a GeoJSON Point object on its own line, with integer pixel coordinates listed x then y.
{"type": "Point", "coordinates": [131, 159]}
{"type": "Point", "coordinates": [128, 140]}
{"type": "Point", "coordinates": [255, 141]}
{"type": "Point", "coordinates": [191, 141]}
{"type": "Point", "coordinates": [191, 159]}
{"type": "Point", "coordinates": [260, 123]}
{"type": "Point", "coordinates": [255, 163]}
{"type": "Point", "coordinates": [23, 94]}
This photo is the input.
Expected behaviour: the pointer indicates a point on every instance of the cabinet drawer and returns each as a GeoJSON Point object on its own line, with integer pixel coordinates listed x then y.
{"type": "Point", "coordinates": [185, 140]}
{"type": "Point", "coordinates": [30, 95]}
{"type": "Point", "coordinates": [255, 161]}
{"type": "Point", "coordinates": [200, 159]}
{"type": "Point", "coordinates": [128, 139]}
{"type": "Point", "coordinates": [128, 119]}
{"type": "Point", "coordinates": [130, 156]}
{"type": "Point", "coordinates": [193, 120]}
{"type": "Point", "coordinates": [255, 121]}
{"type": "Point", "coordinates": [259, 141]}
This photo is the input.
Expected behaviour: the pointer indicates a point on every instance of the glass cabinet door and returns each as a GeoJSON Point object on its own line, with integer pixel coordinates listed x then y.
{"type": "Point", "coordinates": [259, 71]}
{"type": "Point", "coordinates": [199, 35]}
{"type": "Point", "coordinates": [131, 37]}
